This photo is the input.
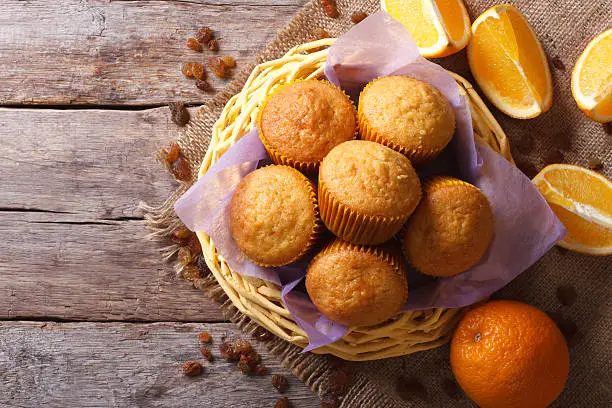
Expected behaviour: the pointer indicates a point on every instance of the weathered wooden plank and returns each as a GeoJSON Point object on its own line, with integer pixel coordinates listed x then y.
{"type": "Point", "coordinates": [128, 365]}
{"type": "Point", "coordinates": [93, 163]}
{"type": "Point", "coordinates": [57, 266]}
{"type": "Point", "coordinates": [127, 52]}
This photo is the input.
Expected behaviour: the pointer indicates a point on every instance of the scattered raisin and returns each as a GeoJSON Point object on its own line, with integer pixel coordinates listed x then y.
{"type": "Point", "coordinates": [242, 346]}
{"type": "Point", "coordinates": [204, 337]}
{"type": "Point", "coordinates": [594, 164]}
{"type": "Point", "coordinates": [194, 245]}
{"type": "Point", "coordinates": [202, 85]}
{"type": "Point", "coordinates": [245, 365]}
{"type": "Point", "coordinates": [320, 34]}
{"type": "Point", "coordinates": [607, 127]}
{"type": "Point", "coordinates": [180, 114]}
{"type": "Point", "coordinates": [173, 153]}
{"type": "Point", "coordinates": [358, 16]}
{"type": "Point", "coordinates": [193, 44]}
{"type": "Point", "coordinates": [557, 63]}
{"type": "Point", "coordinates": [187, 69]}
{"type": "Point", "coordinates": [282, 403]}
{"type": "Point", "coordinates": [181, 235]}
{"type": "Point", "coordinates": [198, 71]}
{"type": "Point", "coordinates": [216, 66]}
{"type": "Point", "coordinates": [329, 400]}
{"type": "Point", "coordinates": [227, 351]}
{"type": "Point", "coordinates": [206, 353]}
{"type": "Point", "coordinates": [229, 61]}
{"type": "Point", "coordinates": [330, 8]}
{"type": "Point", "coordinates": [566, 295]}
{"type": "Point", "coordinates": [213, 45]}
{"type": "Point", "coordinates": [204, 35]}
{"type": "Point", "coordinates": [261, 370]}
{"type": "Point", "coordinates": [184, 256]}
{"type": "Point", "coordinates": [192, 368]}
{"type": "Point", "coordinates": [280, 383]}
{"type": "Point", "coordinates": [451, 388]}
{"type": "Point", "coordinates": [180, 169]}
{"type": "Point", "coordinates": [190, 273]}
{"type": "Point", "coordinates": [409, 388]}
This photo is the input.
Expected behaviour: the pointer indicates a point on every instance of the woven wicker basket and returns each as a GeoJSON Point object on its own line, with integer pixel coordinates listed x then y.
{"type": "Point", "coordinates": [408, 332]}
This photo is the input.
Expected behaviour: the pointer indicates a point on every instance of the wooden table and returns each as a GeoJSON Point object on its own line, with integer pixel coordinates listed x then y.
{"type": "Point", "coordinates": [90, 316]}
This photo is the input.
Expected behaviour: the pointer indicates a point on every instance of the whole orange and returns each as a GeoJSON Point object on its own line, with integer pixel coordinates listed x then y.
{"type": "Point", "coordinates": [507, 354]}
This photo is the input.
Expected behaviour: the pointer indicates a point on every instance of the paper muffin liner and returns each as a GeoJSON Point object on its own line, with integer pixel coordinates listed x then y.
{"type": "Point", "coordinates": [315, 233]}
{"type": "Point", "coordinates": [416, 156]}
{"type": "Point", "coordinates": [388, 252]}
{"type": "Point", "coordinates": [279, 158]}
{"type": "Point", "coordinates": [354, 227]}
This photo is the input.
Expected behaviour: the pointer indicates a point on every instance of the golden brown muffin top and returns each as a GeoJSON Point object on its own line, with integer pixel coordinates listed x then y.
{"type": "Point", "coordinates": [356, 285]}
{"type": "Point", "coordinates": [273, 215]}
{"type": "Point", "coordinates": [451, 228]}
{"type": "Point", "coordinates": [305, 120]}
{"type": "Point", "coordinates": [408, 112]}
{"type": "Point", "coordinates": [371, 179]}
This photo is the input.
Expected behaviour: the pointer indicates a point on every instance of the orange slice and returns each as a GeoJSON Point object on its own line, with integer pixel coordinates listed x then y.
{"type": "Point", "coordinates": [592, 79]}
{"type": "Point", "coordinates": [582, 199]}
{"type": "Point", "coordinates": [438, 27]}
{"type": "Point", "coordinates": [509, 64]}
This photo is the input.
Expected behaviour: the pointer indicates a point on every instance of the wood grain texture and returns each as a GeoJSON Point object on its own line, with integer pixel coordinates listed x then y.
{"type": "Point", "coordinates": [129, 365]}
{"type": "Point", "coordinates": [126, 52]}
{"type": "Point", "coordinates": [73, 246]}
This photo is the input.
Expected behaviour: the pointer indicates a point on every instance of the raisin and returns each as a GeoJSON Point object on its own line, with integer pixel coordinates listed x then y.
{"type": "Point", "coordinates": [173, 153]}
{"type": "Point", "coordinates": [202, 85]}
{"type": "Point", "coordinates": [181, 171]}
{"type": "Point", "coordinates": [242, 346]}
{"type": "Point", "coordinates": [566, 295]}
{"type": "Point", "coordinates": [227, 351]}
{"type": "Point", "coordinates": [451, 389]}
{"type": "Point", "coordinates": [204, 337]}
{"type": "Point", "coordinates": [190, 273]}
{"type": "Point", "coordinates": [180, 114]}
{"type": "Point", "coordinates": [194, 244]}
{"type": "Point", "coordinates": [244, 365]}
{"type": "Point", "coordinates": [181, 235]}
{"type": "Point", "coordinates": [187, 69]}
{"type": "Point", "coordinates": [198, 71]}
{"type": "Point", "coordinates": [193, 44]}
{"type": "Point", "coordinates": [216, 66]}
{"type": "Point", "coordinates": [192, 368]}
{"type": "Point", "coordinates": [320, 34]}
{"type": "Point", "coordinates": [184, 256]}
{"type": "Point", "coordinates": [557, 63]}
{"type": "Point", "coordinates": [409, 388]}
{"type": "Point", "coordinates": [204, 35]}
{"type": "Point", "coordinates": [260, 370]}
{"type": "Point", "coordinates": [280, 383]}
{"type": "Point", "coordinates": [283, 403]}
{"type": "Point", "coordinates": [206, 353]}
{"type": "Point", "coordinates": [213, 45]}
{"type": "Point", "coordinates": [594, 164]}
{"type": "Point", "coordinates": [229, 61]}
{"type": "Point", "coordinates": [330, 8]}
{"type": "Point", "coordinates": [358, 16]}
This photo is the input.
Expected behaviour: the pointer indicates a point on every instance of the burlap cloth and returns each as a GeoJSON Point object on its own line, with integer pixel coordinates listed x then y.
{"type": "Point", "coordinates": [563, 134]}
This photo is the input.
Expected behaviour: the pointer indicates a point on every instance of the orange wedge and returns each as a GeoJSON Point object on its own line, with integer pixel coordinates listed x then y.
{"type": "Point", "coordinates": [592, 79]}
{"type": "Point", "coordinates": [582, 199]}
{"type": "Point", "coordinates": [438, 27]}
{"type": "Point", "coordinates": [509, 64]}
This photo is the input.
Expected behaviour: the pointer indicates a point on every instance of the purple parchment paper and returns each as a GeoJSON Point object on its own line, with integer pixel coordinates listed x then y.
{"type": "Point", "coordinates": [525, 226]}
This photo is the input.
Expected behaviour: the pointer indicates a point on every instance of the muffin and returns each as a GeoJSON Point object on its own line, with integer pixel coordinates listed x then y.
{"type": "Point", "coordinates": [450, 230]}
{"type": "Point", "coordinates": [301, 122]}
{"type": "Point", "coordinates": [366, 191]}
{"type": "Point", "coordinates": [357, 285]}
{"type": "Point", "coordinates": [274, 216]}
{"type": "Point", "coordinates": [407, 115]}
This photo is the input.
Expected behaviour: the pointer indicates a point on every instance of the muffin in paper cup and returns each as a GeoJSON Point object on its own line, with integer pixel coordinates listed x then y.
{"type": "Point", "coordinates": [357, 285]}
{"type": "Point", "coordinates": [409, 116]}
{"type": "Point", "coordinates": [274, 216]}
{"type": "Point", "coordinates": [301, 121]}
{"type": "Point", "coordinates": [450, 230]}
{"type": "Point", "coordinates": [366, 192]}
